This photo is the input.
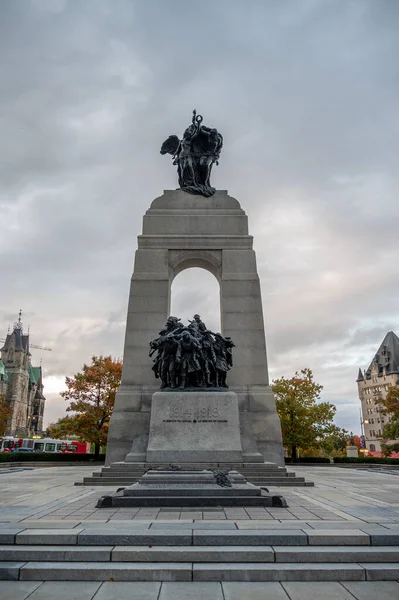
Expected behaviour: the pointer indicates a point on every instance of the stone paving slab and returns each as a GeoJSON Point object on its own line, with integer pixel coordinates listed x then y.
{"type": "Point", "coordinates": [346, 537]}
{"type": "Point", "coordinates": [278, 572]}
{"type": "Point", "coordinates": [64, 590]}
{"type": "Point", "coordinates": [191, 591]}
{"type": "Point", "coordinates": [10, 570]}
{"type": "Point", "coordinates": [384, 539]}
{"type": "Point", "coordinates": [223, 554]}
{"type": "Point", "coordinates": [55, 553]}
{"type": "Point", "coordinates": [381, 571]}
{"type": "Point", "coordinates": [326, 590]}
{"type": "Point", "coordinates": [246, 525]}
{"type": "Point", "coordinates": [155, 525]}
{"type": "Point", "coordinates": [338, 554]}
{"type": "Point", "coordinates": [249, 538]}
{"type": "Point", "coordinates": [7, 536]}
{"type": "Point", "coordinates": [370, 590]}
{"type": "Point", "coordinates": [58, 571]}
{"type": "Point", "coordinates": [46, 524]}
{"type": "Point", "coordinates": [120, 590]}
{"type": "Point", "coordinates": [118, 525]}
{"type": "Point", "coordinates": [238, 590]}
{"type": "Point", "coordinates": [17, 590]}
{"type": "Point", "coordinates": [48, 536]}
{"type": "Point", "coordinates": [100, 537]}
{"type": "Point", "coordinates": [75, 590]}
{"type": "Point", "coordinates": [339, 525]}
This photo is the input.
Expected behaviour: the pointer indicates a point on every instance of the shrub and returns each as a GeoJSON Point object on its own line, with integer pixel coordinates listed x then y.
{"type": "Point", "coordinates": [308, 459]}
{"type": "Point", "coordinates": [367, 459]}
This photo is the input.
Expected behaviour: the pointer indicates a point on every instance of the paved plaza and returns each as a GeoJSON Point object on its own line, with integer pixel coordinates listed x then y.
{"type": "Point", "coordinates": [360, 503]}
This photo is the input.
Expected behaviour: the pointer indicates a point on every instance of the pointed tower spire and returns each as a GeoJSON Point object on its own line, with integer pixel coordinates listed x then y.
{"type": "Point", "coordinates": [360, 376]}
{"type": "Point", "coordinates": [18, 324]}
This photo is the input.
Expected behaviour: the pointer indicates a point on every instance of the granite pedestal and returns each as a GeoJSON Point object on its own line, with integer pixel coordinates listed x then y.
{"type": "Point", "coordinates": [171, 488]}
{"type": "Point", "coordinates": [199, 426]}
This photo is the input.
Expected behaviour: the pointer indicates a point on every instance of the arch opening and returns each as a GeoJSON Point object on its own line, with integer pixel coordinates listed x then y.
{"type": "Point", "coordinates": [196, 290]}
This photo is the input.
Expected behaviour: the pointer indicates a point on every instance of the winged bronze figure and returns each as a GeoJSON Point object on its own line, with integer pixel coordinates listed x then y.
{"type": "Point", "coordinates": [194, 156]}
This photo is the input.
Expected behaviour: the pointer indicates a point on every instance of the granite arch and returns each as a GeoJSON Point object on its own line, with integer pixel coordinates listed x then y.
{"type": "Point", "coordinates": [182, 231]}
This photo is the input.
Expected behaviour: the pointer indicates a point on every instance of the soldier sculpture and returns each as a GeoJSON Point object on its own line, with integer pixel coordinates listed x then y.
{"type": "Point", "coordinates": [192, 356]}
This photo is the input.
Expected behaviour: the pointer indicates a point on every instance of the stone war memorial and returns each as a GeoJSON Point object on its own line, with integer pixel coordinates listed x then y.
{"type": "Point", "coordinates": [194, 405]}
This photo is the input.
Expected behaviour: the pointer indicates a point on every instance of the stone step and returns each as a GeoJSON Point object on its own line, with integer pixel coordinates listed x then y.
{"type": "Point", "coordinates": [56, 553]}
{"type": "Point", "coordinates": [195, 501]}
{"type": "Point", "coordinates": [187, 571]}
{"type": "Point", "coordinates": [185, 490]}
{"type": "Point", "coordinates": [202, 554]}
{"type": "Point", "coordinates": [264, 481]}
{"type": "Point", "coordinates": [295, 572]}
{"type": "Point", "coordinates": [127, 472]}
{"type": "Point", "coordinates": [196, 465]}
{"type": "Point", "coordinates": [202, 534]}
{"type": "Point", "coordinates": [256, 469]}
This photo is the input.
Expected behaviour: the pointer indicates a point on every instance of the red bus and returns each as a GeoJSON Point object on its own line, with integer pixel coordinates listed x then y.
{"type": "Point", "coordinates": [12, 444]}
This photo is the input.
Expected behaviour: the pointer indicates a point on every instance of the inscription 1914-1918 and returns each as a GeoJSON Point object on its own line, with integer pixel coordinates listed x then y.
{"type": "Point", "coordinates": [206, 414]}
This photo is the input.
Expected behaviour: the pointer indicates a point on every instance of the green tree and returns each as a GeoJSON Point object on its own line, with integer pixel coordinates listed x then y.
{"type": "Point", "coordinates": [335, 443]}
{"type": "Point", "coordinates": [390, 407]}
{"type": "Point", "coordinates": [63, 428]}
{"type": "Point", "coordinates": [91, 394]}
{"type": "Point", "coordinates": [305, 422]}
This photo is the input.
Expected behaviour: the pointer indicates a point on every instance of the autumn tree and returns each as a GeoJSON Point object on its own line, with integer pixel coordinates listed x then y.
{"type": "Point", "coordinates": [5, 414]}
{"type": "Point", "coordinates": [91, 394]}
{"type": "Point", "coordinates": [304, 420]}
{"type": "Point", "coordinates": [391, 408]}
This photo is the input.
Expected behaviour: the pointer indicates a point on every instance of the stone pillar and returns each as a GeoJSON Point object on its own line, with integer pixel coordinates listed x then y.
{"type": "Point", "coordinates": [181, 230]}
{"type": "Point", "coordinates": [148, 309]}
{"type": "Point", "coordinates": [242, 320]}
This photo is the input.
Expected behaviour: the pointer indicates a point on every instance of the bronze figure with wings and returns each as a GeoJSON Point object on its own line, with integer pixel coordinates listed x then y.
{"type": "Point", "coordinates": [195, 155]}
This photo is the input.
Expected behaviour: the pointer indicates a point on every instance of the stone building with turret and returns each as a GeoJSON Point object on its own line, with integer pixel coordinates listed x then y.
{"type": "Point", "coordinates": [373, 384]}
{"type": "Point", "coordinates": [21, 385]}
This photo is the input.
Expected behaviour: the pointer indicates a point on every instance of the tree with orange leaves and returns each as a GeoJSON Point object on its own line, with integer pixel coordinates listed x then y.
{"type": "Point", "coordinates": [91, 394]}
{"type": "Point", "coordinates": [5, 414]}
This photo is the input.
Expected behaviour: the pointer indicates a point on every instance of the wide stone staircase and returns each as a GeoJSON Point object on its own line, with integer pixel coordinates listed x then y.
{"type": "Point", "coordinates": [260, 474]}
{"type": "Point", "coordinates": [196, 551]}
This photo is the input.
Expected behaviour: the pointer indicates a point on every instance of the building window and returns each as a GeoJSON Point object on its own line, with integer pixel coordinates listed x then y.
{"type": "Point", "coordinates": [372, 447]}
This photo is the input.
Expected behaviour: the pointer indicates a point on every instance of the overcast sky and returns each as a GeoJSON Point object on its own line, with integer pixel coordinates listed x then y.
{"type": "Point", "coordinates": [305, 93]}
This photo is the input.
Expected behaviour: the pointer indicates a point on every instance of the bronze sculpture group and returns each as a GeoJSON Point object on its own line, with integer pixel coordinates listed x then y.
{"type": "Point", "coordinates": [194, 156]}
{"type": "Point", "coordinates": [192, 356]}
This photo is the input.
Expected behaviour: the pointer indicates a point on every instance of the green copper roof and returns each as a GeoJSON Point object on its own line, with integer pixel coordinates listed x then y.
{"type": "Point", "coordinates": [32, 374]}
{"type": "Point", "coordinates": [3, 372]}
{"type": "Point", "coordinates": [37, 373]}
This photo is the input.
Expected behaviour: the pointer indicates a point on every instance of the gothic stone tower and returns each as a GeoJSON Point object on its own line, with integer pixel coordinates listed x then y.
{"type": "Point", "coordinates": [22, 384]}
